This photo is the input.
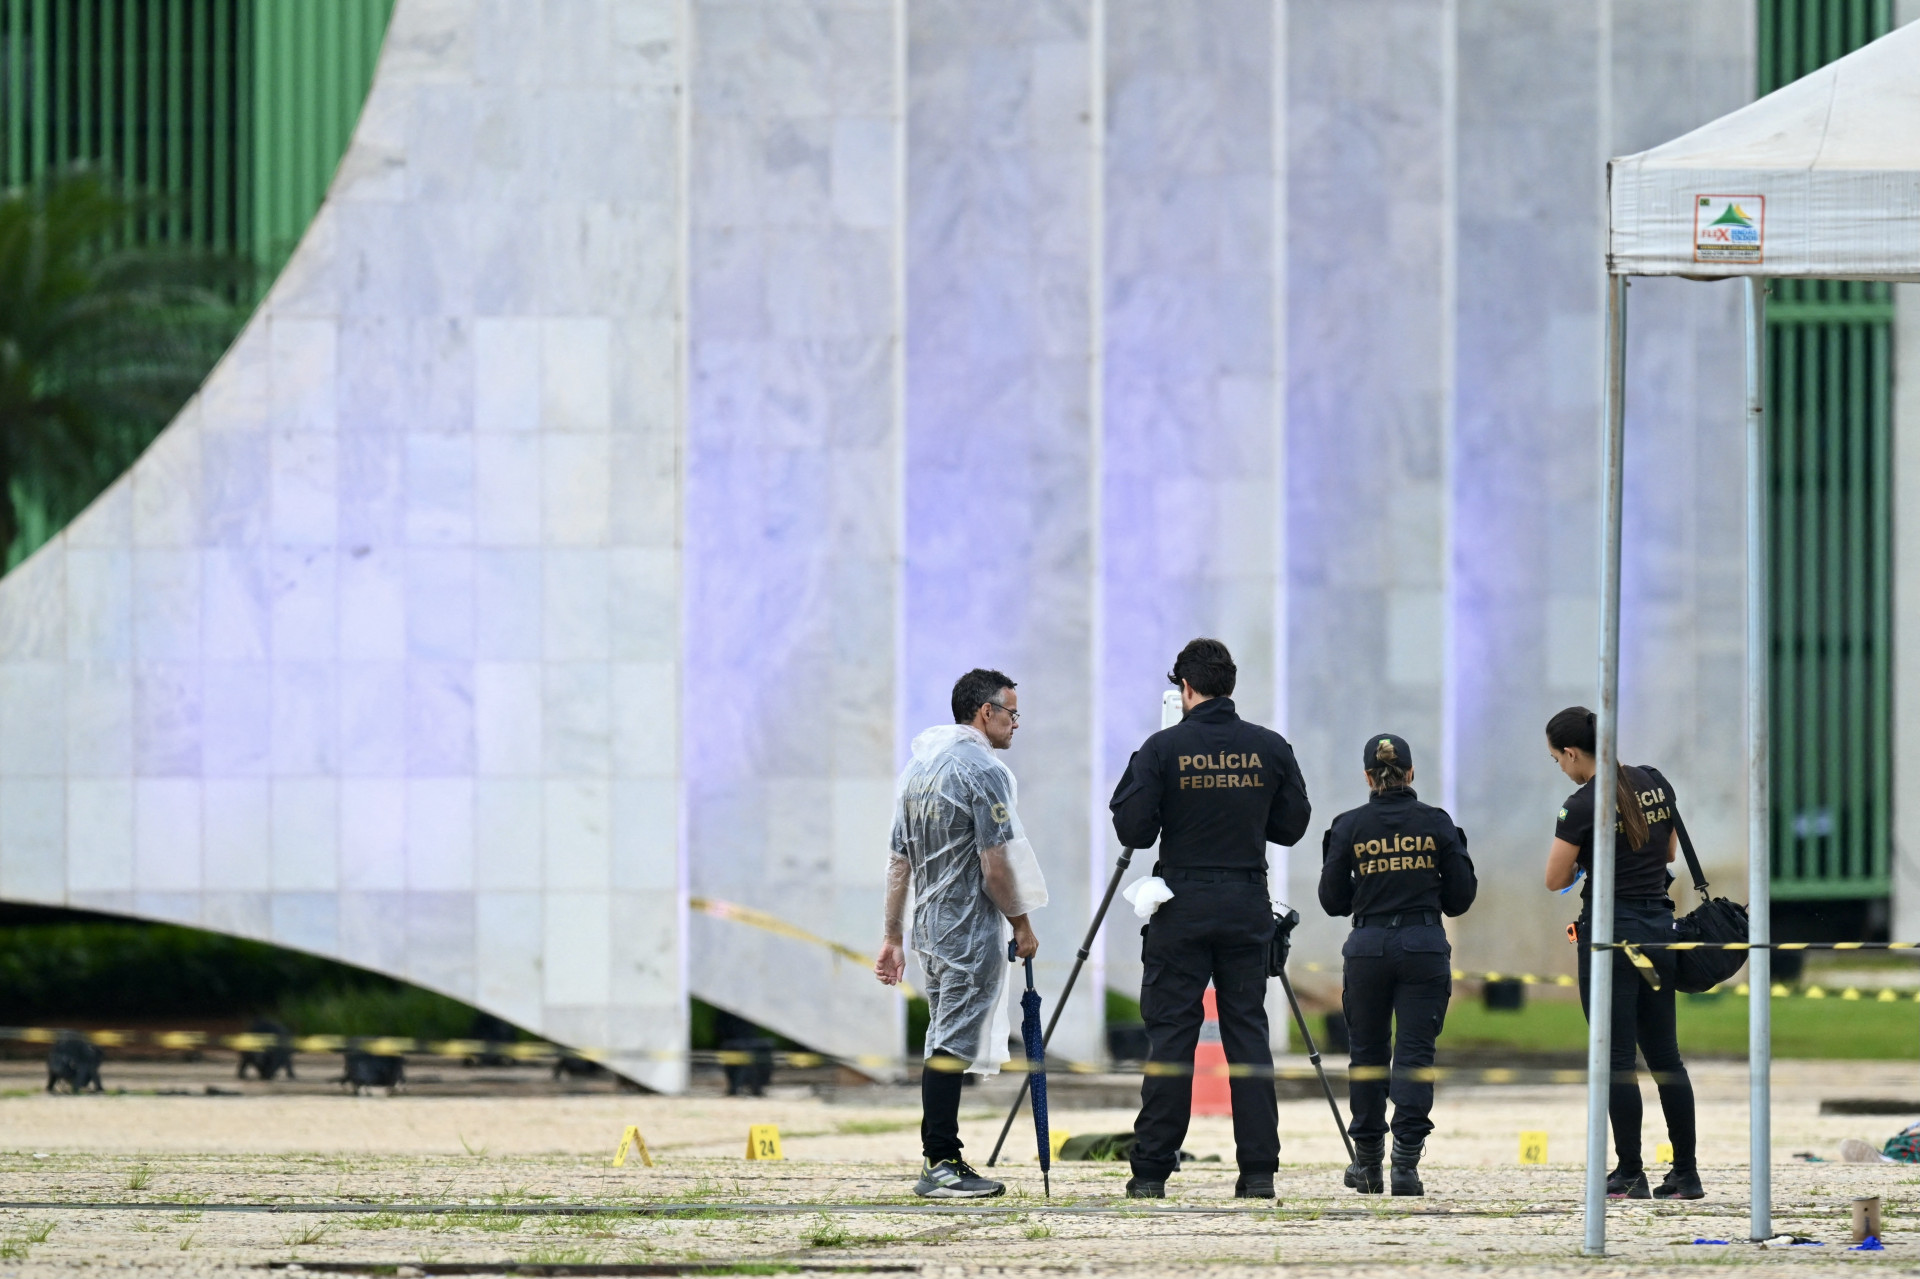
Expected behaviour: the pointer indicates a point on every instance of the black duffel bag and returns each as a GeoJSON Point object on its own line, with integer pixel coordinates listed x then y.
{"type": "Point", "coordinates": [1715, 919]}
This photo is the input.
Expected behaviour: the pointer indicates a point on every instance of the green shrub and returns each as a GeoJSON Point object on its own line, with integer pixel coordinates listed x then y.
{"type": "Point", "coordinates": [373, 1010]}
{"type": "Point", "coordinates": [114, 969]}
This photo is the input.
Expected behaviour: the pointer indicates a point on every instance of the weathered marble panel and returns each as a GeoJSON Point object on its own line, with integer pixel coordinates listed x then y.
{"type": "Point", "coordinates": [1537, 110]}
{"type": "Point", "coordinates": [791, 528]}
{"type": "Point", "coordinates": [1000, 442]}
{"type": "Point", "coordinates": [1189, 466]}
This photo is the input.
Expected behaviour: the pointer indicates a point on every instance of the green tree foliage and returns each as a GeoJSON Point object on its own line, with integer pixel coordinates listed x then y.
{"type": "Point", "coordinates": [102, 339]}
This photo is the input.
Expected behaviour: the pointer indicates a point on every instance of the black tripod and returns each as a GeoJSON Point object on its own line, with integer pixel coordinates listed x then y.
{"type": "Point", "coordinates": [1283, 932]}
{"type": "Point", "coordinates": [1079, 960]}
{"type": "Point", "coordinates": [1283, 926]}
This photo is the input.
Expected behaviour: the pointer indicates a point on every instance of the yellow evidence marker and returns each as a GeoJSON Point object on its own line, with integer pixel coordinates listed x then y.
{"type": "Point", "coordinates": [1533, 1147]}
{"type": "Point", "coordinates": [1663, 1153]}
{"type": "Point", "coordinates": [632, 1140]}
{"type": "Point", "coordinates": [763, 1141]}
{"type": "Point", "coordinates": [1056, 1139]}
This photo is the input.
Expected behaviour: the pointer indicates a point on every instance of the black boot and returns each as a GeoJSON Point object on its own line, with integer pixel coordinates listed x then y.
{"type": "Point", "coordinates": [1254, 1185]}
{"type": "Point", "coordinates": [1363, 1174]}
{"type": "Point", "coordinates": [1406, 1167]}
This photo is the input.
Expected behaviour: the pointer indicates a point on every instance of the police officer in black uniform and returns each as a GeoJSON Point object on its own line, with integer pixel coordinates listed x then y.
{"type": "Point", "coordinates": [1215, 791]}
{"type": "Point", "coordinates": [1396, 865]}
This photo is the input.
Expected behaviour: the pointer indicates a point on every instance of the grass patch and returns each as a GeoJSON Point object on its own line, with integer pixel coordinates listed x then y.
{"type": "Point", "coordinates": [140, 1178]}
{"type": "Point", "coordinates": [1039, 1230]}
{"type": "Point", "coordinates": [1713, 1025]}
{"type": "Point", "coordinates": [378, 1221]}
{"type": "Point", "coordinates": [825, 1233]}
{"type": "Point", "coordinates": [305, 1236]}
{"type": "Point", "coordinates": [701, 1189]}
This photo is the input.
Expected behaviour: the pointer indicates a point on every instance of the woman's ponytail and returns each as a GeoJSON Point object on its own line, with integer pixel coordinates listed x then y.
{"type": "Point", "coordinates": [1574, 727]}
{"type": "Point", "coordinates": [1388, 770]}
{"type": "Point", "coordinates": [1627, 802]}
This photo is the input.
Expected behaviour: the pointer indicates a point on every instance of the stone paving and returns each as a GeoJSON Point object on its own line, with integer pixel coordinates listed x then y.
{"type": "Point", "coordinates": [424, 1181]}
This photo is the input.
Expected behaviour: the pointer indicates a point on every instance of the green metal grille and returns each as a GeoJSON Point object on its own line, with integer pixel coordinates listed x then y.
{"type": "Point", "coordinates": [236, 111]}
{"type": "Point", "coordinates": [1829, 389]}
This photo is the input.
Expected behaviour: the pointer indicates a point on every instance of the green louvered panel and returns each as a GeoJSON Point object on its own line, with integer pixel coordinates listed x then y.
{"type": "Point", "coordinates": [1830, 379]}
{"type": "Point", "coordinates": [236, 111]}
{"type": "Point", "coordinates": [313, 62]}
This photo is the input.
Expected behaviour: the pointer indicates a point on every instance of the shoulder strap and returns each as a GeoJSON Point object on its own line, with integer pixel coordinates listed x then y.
{"type": "Point", "coordinates": [1693, 861]}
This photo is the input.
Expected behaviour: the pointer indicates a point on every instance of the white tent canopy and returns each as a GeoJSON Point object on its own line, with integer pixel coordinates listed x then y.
{"type": "Point", "coordinates": [1820, 178]}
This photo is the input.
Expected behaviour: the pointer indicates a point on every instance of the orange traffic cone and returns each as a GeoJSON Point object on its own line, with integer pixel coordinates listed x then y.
{"type": "Point", "coordinates": [1211, 1094]}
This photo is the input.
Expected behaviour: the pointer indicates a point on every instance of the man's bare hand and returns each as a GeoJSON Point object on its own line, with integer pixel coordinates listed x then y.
{"type": "Point", "coordinates": [892, 964]}
{"type": "Point", "coordinates": [1025, 944]}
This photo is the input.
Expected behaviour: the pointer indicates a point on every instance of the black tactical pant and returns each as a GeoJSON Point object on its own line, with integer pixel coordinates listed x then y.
{"type": "Point", "coordinates": [1643, 1018]}
{"type": "Point", "coordinates": [1398, 982]}
{"type": "Point", "coordinates": [1218, 932]}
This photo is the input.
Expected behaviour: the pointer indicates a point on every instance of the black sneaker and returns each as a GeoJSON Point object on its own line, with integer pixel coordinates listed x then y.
{"type": "Point", "coordinates": [1624, 1185]}
{"type": "Point", "coordinates": [1141, 1188]}
{"type": "Point", "coordinates": [953, 1179]}
{"type": "Point", "coordinates": [1254, 1185]}
{"type": "Point", "coordinates": [1366, 1179]}
{"type": "Point", "coordinates": [1680, 1185]}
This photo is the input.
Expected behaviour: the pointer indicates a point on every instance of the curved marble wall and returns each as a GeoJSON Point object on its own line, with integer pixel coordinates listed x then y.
{"type": "Point", "coordinates": [374, 653]}
{"type": "Point", "coordinates": [673, 396]}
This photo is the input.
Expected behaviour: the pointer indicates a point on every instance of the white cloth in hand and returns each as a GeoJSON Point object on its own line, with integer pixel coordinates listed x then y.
{"type": "Point", "coordinates": [1145, 895]}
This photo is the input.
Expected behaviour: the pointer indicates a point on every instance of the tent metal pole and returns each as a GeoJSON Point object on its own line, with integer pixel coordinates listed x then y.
{"type": "Point", "coordinates": [1607, 752]}
{"type": "Point", "coordinates": [1759, 860]}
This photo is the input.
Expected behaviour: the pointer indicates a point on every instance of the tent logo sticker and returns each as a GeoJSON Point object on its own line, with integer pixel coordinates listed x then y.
{"type": "Point", "coordinates": [1729, 228]}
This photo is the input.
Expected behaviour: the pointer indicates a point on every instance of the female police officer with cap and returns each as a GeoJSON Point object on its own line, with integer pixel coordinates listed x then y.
{"type": "Point", "coordinates": [1396, 865]}
{"type": "Point", "coordinates": [1646, 839]}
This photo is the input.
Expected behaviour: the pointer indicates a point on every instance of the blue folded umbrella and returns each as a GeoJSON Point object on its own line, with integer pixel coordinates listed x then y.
{"type": "Point", "coordinates": [1031, 1035]}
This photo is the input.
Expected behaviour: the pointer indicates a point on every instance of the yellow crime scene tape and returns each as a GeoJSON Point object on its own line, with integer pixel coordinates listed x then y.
{"type": "Point", "coordinates": [395, 1045]}
{"type": "Point", "coordinates": [798, 1060]}
{"type": "Point", "coordinates": [781, 928]}
{"type": "Point", "coordinates": [540, 1050]}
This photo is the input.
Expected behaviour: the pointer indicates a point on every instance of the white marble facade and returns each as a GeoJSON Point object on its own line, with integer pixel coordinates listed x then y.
{"type": "Point", "coordinates": [673, 396]}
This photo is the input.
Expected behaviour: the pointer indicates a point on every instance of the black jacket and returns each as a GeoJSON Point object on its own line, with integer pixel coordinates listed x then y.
{"type": "Point", "coordinates": [1214, 790]}
{"type": "Point", "coordinates": [1395, 854]}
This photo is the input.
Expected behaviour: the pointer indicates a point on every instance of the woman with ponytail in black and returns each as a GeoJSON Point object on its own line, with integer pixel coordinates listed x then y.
{"type": "Point", "coordinates": [1645, 841]}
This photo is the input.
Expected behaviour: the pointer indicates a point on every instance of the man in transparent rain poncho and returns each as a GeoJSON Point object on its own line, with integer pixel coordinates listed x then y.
{"type": "Point", "coordinates": [958, 841]}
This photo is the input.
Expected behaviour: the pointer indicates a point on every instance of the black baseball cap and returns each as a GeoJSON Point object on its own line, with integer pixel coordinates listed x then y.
{"type": "Point", "coordinates": [1387, 748]}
